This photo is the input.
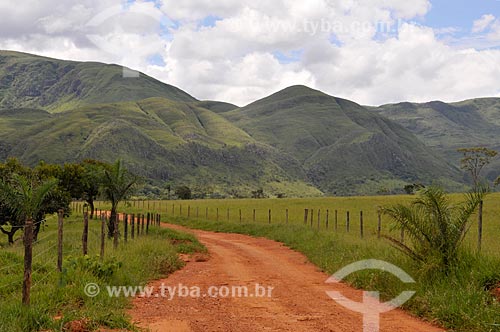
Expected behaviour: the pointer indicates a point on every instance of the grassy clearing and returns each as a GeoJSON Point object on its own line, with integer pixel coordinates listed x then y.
{"type": "Point", "coordinates": [368, 204]}
{"type": "Point", "coordinates": [59, 298]}
{"type": "Point", "coordinates": [457, 301]}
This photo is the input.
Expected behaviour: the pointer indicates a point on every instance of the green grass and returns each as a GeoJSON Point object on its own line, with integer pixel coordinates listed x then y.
{"type": "Point", "coordinates": [59, 298]}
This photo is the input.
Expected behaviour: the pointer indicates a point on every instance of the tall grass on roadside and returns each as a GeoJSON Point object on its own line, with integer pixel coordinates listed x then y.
{"type": "Point", "coordinates": [458, 300]}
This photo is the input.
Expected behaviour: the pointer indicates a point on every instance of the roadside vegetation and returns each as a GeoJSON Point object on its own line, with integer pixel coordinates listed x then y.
{"type": "Point", "coordinates": [58, 299]}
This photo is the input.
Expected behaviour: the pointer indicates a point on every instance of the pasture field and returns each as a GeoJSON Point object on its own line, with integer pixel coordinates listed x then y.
{"type": "Point", "coordinates": [200, 209]}
{"type": "Point", "coordinates": [58, 299]}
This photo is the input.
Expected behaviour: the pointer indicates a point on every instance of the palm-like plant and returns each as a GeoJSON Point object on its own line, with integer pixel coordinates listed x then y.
{"type": "Point", "coordinates": [24, 197]}
{"type": "Point", "coordinates": [118, 183]}
{"type": "Point", "coordinates": [435, 226]}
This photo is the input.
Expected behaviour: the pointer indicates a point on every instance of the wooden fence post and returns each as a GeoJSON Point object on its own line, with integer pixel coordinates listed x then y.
{"type": "Point", "coordinates": [286, 216]}
{"type": "Point", "coordinates": [319, 218]}
{"type": "Point", "coordinates": [327, 215]}
{"type": "Point", "coordinates": [148, 220]}
{"type": "Point", "coordinates": [347, 222]}
{"type": "Point", "coordinates": [217, 216]}
{"type": "Point", "coordinates": [85, 235]}
{"type": "Point", "coordinates": [269, 218]}
{"type": "Point", "coordinates": [306, 212]}
{"type": "Point", "coordinates": [361, 225]}
{"type": "Point", "coordinates": [240, 216]}
{"type": "Point", "coordinates": [142, 224]}
{"type": "Point", "coordinates": [28, 257]}
{"type": "Point", "coordinates": [336, 220]}
{"type": "Point", "coordinates": [125, 227]}
{"type": "Point", "coordinates": [103, 234]}
{"type": "Point", "coordinates": [115, 233]}
{"type": "Point", "coordinates": [253, 215]}
{"type": "Point", "coordinates": [379, 226]}
{"type": "Point", "coordinates": [132, 226]}
{"type": "Point", "coordinates": [312, 217]}
{"type": "Point", "coordinates": [480, 226]}
{"type": "Point", "coordinates": [138, 224]}
{"type": "Point", "coordinates": [60, 220]}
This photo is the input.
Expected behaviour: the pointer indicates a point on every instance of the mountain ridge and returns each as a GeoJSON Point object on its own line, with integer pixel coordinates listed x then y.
{"type": "Point", "coordinates": [297, 141]}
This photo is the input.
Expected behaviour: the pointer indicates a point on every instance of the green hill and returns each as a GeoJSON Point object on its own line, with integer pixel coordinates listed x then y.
{"type": "Point", "coordinates": [448, 127]}
{"type": "Point", "coordinates": [342, 147]}
{"type": "Point", "coordinates": [299, 141]}
{"type": "Point", "coordinates": [29, 81]}
{"type": "Point", "coordinates": [160, 139]}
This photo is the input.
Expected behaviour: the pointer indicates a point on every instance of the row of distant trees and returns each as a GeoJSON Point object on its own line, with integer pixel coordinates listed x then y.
{"type": "Point", "coordinates": [32, 193]}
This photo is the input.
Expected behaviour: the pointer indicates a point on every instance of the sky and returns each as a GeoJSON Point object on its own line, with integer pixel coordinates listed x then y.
{"type": "Point", "coordinates": [370, 51]}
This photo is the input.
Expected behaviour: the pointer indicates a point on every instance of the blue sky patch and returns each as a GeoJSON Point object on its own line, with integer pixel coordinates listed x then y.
{"type": "Point", "coordinates": [157, 60]}
{"type": "Point", "coordinates": [459, 14]}
{"type": "Point", "coordinates": [288, 57]}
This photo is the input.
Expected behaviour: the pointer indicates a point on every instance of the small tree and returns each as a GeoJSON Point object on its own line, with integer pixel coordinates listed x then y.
{"type": "Point", "coordinates": [259, 193]}
{"type": "Point", "coordinates": [54, 201]}
{"type": "Point", "coordinates": [436, 228]}
{"type": "Point", "coordinates": [24, 199]}
{"type": "Point", "coordinates": [10, 224]}
{"type": "Point", "coordinates": [118, 184]}
{"type": "Point", "coordinates": [410, 189]}
{"type": "Point", "coordinates": [58, 198]}
{"type": "Point", "coordinates": [183, 192]}
{"type": "Point", "coordinates": [473, 162]}
{"type": "Point", "coordinates": [92, 179]}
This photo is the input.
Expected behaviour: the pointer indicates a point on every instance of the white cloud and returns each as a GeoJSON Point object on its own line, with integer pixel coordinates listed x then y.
{"type": "Point", "coordinates": [233, 60]}
{"type": "Point", "coordinates": [483, 23]}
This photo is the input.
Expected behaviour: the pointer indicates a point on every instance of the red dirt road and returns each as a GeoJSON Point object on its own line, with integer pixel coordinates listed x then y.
{"type": "Point", "coordinates": [298, 302]}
